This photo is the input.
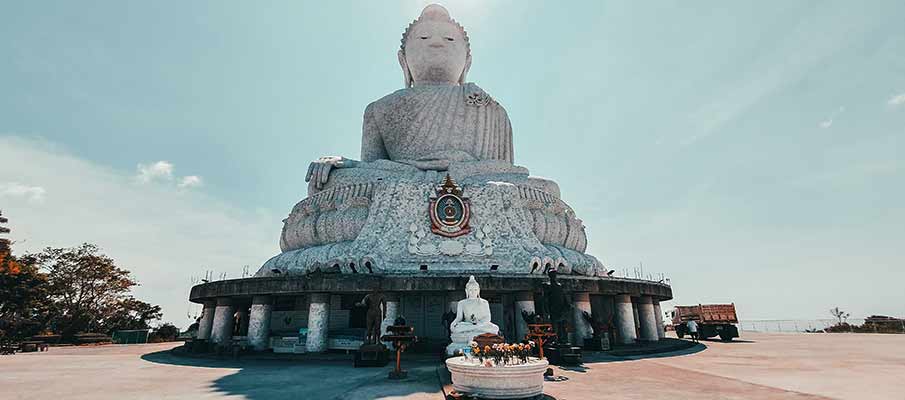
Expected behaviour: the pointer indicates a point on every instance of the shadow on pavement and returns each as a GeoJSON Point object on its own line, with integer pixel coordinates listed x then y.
{"type": "Point", "coordinates": [574, 368]}
{"type": "Point", "coordinates": [278, 379]}
{"type": "Point", "coordinates": [603, 357]}
{"type": "Point", "coordinates": [729, 342]}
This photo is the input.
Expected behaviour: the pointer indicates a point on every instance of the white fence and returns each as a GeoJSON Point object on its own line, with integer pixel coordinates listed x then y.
{"type": "Point", "coordinates": [792, 325]}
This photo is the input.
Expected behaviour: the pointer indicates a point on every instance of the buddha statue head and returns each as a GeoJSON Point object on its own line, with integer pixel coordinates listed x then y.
{"type": "Point", "coordinates": [435, 50]}
{"type": "Point", "coordinates": [472, 289]}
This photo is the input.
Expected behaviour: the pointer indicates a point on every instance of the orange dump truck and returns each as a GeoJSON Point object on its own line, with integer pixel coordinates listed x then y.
{"type": "Point", "coordinates": [712, 319]}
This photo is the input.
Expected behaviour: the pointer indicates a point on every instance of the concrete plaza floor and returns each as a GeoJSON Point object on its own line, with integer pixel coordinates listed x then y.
{"type": "Point", "coordinates": [761, 366]}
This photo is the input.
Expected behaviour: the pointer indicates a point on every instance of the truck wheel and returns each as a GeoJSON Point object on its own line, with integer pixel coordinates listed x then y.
{"type": "Point", "coordinates": [726, 337]}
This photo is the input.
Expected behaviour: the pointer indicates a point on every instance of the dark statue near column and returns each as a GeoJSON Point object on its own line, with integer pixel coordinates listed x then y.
{"type": "Point", "coordinates": [556, 305]}
{"type": "Point", "coordinates": [377, 311]}
{"type": "Point", "coordinates": [557, 308]}
{"type": "Point", "coordinates": [372, 352]}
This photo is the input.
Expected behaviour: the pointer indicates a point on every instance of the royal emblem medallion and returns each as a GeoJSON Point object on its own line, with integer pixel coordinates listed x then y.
{"type": "Point", "coordinates": [449, 210]}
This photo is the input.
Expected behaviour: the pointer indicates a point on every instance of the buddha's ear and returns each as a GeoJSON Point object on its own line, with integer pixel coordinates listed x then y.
{"type": "Point", "coordinates": [407, 74]}
{"type": "Point", "coordinates": [465, 70]}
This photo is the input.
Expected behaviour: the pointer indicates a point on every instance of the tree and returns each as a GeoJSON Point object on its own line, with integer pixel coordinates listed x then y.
{"type": "Point", "coordinates": [166, 332]}
{"type": "Point", "coordinates": [130, 313]}
{"type": "Point", "coordinates": [839, 314]}
{"type": "Point", "coordinates": [88, 292]}
{"type": "Point", "coordinates": [23, 297]}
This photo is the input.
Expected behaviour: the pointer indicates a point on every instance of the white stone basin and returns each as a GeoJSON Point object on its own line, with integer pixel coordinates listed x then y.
{"type": "Point", "coordinates": [498, 382]}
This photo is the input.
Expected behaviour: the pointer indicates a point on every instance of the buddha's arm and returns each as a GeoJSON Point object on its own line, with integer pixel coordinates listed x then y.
{"type": "Point", "coordinates": [458, 319]}
{"type": "Point", "coordinates": [372, 147]}
{"type": "Point", "coordinates": [485, 311]}
{"type": "Point", "coordinates": [319, 171]}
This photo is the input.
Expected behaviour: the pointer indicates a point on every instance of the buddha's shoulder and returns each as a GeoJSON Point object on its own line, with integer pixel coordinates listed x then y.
{"type": "Point", "coordinates": [470, 92]}
{"type": "Point", "coordinates": [390, 101]}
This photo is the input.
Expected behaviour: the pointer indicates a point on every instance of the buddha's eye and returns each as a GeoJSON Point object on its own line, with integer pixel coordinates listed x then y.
{"type": "Point", "coordinates": [424, 37]}
{"type": "Point", "coordinates": [450, 39]}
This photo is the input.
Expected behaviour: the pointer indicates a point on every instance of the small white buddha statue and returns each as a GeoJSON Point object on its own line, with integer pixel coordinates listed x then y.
{"type": "Point", "coordinates": [472, 318]}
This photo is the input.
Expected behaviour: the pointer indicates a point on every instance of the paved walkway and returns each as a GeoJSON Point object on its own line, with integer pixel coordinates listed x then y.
{"type": "Point", "coordinates": [763, 366]}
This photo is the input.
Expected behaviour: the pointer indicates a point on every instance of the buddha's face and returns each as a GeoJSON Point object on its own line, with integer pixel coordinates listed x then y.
{"type": "Point", "coordinates": [436, 52]}
{"type": "Point", "coordinates": [472, 292]}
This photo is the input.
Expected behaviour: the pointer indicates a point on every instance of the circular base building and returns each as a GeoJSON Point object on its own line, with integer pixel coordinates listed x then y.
{"type": "Point", "coordinates": [434, 198]}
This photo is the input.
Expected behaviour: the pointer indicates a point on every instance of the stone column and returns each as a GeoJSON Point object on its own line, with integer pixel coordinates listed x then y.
{"type": "Point", "coordinates": [524, 301]}
{"type": "Point", "coordinates": [222, 329]}
{"type": "Point", "coordinates": [259, 322]}
{"type": "Point", "coordinates": [648, 320]}
{"type": "Point", "coordinates": [581, 304]}
{"type": "Point", "coordinates": [318, 322]}
{"type": "Point", "coordinates": [658, 313]}
{"type": "Point", "coordinates": [207, 320]}
{"type": "Point", "coordinates": [392, 299]}
{"type": "Point", "coordinates": [625, 322]}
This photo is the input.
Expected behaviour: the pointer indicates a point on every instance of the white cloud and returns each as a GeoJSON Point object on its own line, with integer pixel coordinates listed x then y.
{"type": "Point", "coordinates": [161, 170]}
{"type": "Point", "coordinates": [163, 235]}
{"type": "Point", "coordinates": [16, 189]}
{"type": "Point", "coordinates": [897, 100]}
{"type": "Point", "coordinates": [190, 181]}
{"type": "Point", "coordinates": [829, 122]}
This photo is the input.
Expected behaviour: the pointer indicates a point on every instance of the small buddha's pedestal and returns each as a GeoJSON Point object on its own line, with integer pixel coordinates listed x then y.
{"type": "Point", "coordinates": [599, 342]}
{"type": "Point", "coordinates": [564, 354]}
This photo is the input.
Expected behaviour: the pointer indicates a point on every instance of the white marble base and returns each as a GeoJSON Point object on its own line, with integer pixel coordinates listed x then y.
{"type": "Point", "coordinates": [463, 340]}
{"type": "Point", "coordinates": [501, 382]}
{"type": "Point", "coordinates": [459, 342]}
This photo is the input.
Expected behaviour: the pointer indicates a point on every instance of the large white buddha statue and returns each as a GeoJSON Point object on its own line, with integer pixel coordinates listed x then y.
{"type": "Point", "coordinates": [371, 215]}
{"type": "Point", "coordinates": [472, 318]}
{"type": "Point", "coordinates": [437, 118]}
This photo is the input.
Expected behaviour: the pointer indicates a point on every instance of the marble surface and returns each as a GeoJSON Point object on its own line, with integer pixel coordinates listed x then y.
{"type": "Point", "coordinates": [371, 215]}
{"type": "Point", "coordinates": [318, 321]}
{"type": "Point", "coordinates": [583, 329]}
{"type": "Point", "coordinates": [472, 318]}
{"type": "Point", "coordinates": [498, 382]}
{"type": "Point", "coordinates": [625, 320]}
{"type": "Point", "coordinates": [207, 320]}
{"type": "Point", "coordinates": [377, 216]}
{"type": "Point", "coordinates": [259, 325]}
{"type": "Point", "coordinates": [222, 327]}
{"type": "Point", "coordinates": [648, 320]}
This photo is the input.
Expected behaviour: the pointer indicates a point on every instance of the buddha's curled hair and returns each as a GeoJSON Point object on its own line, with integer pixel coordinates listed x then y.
{"type": "Point", "coordinates": [435, 12]}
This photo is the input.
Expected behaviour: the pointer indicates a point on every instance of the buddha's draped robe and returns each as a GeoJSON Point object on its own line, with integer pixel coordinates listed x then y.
{"type": "Point", "coordinates": [430, 126]}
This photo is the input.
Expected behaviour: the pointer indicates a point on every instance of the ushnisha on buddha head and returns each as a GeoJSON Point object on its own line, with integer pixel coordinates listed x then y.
{"type": "Point", "coordinates": [435, 50]}
{"type": "Point", "coordinates": [472, 289]}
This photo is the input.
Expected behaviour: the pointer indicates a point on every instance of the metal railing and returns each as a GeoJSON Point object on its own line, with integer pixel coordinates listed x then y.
{"type": "Point", "coordinates": [853, 325]}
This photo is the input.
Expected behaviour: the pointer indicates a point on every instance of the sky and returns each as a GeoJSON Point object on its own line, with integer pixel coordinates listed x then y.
{"type": "Point", "coordinates": [750, 151]}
